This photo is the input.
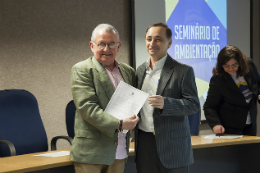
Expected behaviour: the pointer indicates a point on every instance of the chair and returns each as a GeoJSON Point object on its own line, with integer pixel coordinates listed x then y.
{"type": "Point", "coordinates": [21, 127]}
{"type": "Point", "coordinates": [194, 121]}
{"type": "Point", "coordinates": [70, 119]}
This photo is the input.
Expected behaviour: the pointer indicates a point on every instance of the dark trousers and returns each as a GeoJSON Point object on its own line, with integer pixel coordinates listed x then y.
{"type": "Point", "coordinates": [147, 159]}
{"type": "Point", "coordinates": [248, 130]}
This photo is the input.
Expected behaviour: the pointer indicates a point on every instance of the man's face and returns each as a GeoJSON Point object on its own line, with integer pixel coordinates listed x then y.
{"type": "Point", "coordinates": [157, 43]}
{"type": "Point", "coordinates": [105, 56]}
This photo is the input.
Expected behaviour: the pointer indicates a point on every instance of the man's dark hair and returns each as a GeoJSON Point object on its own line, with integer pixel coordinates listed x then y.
{"type": "Point", "coordinates": [168, 30]}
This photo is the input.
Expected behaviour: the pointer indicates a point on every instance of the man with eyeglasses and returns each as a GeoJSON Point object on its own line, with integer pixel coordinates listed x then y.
{"type": "Point", "coordinates": [99, 145]}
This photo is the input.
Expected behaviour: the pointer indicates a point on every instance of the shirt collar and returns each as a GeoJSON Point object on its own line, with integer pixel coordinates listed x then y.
{"type": "Point", "coordinates": [158, 65]}
{"type": "Point", "coordinates": [116, 65]}
{"type": "Point", "coordinates": [234, 76]}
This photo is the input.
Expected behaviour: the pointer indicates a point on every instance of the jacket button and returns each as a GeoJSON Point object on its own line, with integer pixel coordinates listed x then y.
{"type": "Point", "coordinates": [116, 143]}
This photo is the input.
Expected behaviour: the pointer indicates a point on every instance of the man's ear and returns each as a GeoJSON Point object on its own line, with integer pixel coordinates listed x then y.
{"type": "Point", "coordinates": [91, 45]}
{"type": "Point", "coordinates": [119, 45]}
{"type": "Point", "coordinates": [170, 43]}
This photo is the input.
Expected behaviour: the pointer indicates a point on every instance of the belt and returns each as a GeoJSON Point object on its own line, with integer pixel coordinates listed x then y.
{"type": "Point", "coordinates": [146, 132]}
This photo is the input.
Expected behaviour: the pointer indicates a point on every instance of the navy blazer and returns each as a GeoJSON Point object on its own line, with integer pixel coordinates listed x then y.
{"type": "Point", "coordinates": [226, 105]}
{"type": "Point", "coordinates": [172, 133]}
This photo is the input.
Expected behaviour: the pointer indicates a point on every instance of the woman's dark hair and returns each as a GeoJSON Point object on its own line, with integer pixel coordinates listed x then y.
{"type": "Point", "coordinates": [225, 55]}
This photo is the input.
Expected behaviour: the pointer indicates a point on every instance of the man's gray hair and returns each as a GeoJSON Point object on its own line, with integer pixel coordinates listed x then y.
{"type": "Point", "coordinates": [107, 28]}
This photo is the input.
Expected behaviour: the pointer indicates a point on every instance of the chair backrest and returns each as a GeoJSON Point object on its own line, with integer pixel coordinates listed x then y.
{"type": "Point", "coordinates": [194, 121]}
{"type": "Point", "coordinates": [21, 123]}
{"type": "Point", "coordinates": [70, 118]}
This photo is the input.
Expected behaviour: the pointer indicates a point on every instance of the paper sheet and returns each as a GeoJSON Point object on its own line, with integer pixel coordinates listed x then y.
{"type": "Point", "coordinates": [214, 136]}
{"type": "Point", "coordinates": [126, 101]}
{"type": "Point", "coordinates": [54, 154]}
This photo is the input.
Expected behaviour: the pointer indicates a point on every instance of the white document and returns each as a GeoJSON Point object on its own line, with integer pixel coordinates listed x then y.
{"type": "Point", "coordinates": [126, 101]}
{"type": "Point", "coordinates": [214, 136]}
{"type": "Point", "coordinates": [55, 154]}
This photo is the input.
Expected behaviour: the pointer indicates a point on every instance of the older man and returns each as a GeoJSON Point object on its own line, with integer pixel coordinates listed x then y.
{"type": "Point", "coordinates": [99, 145]}
{"type": "Point", "coordinates": [163, 143]}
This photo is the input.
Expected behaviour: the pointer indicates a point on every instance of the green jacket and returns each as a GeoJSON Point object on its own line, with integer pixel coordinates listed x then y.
{"type": "Point", "coordinates": [96, 136]}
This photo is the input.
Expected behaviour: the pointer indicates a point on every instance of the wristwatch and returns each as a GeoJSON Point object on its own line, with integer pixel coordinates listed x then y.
{"type": "Point", "coordinates": [120, 125]}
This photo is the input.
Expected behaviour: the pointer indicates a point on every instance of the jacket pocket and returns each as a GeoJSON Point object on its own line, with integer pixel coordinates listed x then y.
{"type": "Point", "coordinates": [87, 134]}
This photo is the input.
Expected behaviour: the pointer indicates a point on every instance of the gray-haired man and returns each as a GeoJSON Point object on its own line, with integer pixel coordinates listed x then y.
{"type": "Point", "coordinates": [98, 147]}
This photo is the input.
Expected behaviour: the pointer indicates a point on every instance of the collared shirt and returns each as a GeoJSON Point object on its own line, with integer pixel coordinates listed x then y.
{"type": "Point", "coordinates": [150, 85]}
{"type": "Point", "coordinates": [115, 77]}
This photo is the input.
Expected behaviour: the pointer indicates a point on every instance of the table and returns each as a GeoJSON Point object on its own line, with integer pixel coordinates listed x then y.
{"type": "Point", "coordinates": [29, 163]}
{"type": "Point", "coordinates": [218, 155]}
{"type": "Point", "coordinates": [201, 142]}
{"type": "Point", "coordinates": [226, 155]}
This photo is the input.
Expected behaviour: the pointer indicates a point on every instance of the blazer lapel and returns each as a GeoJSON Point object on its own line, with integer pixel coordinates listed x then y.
{"type": "Point", "coordinates": [141, 75]}
{"type": "Point", "coordinates": [103, 78]}
{"type": "Point", "coordinates": [165, 74]}
{"type": "Point", "coordinates": [252, 84]}
{"type": "Point", "coordinates": [232, 85]}
{"type": "Point", "coordinates": [248, 80]}
{"type": "Point", "coordinates": [125, 76]}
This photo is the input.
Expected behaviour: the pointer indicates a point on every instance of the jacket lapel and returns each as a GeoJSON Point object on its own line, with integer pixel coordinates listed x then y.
{"type": "Point", "coordinates": [252, 84]}
{"type": "Point", "coordinates": [165, 74]}
{"type": "Point", "coordinates": [141, 75]}
{"type": "Point", "coordinates": [248, 80]}
{"type": "Point", "coordinates": [232, 85]}
{"type": "Point", "coordinates": [103, 78]}
{"type": "Point", "coordinates": [124, 75]}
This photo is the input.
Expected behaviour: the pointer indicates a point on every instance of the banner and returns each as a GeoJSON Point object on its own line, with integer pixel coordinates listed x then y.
{"type": "Point", "coordinates": [199, 29]}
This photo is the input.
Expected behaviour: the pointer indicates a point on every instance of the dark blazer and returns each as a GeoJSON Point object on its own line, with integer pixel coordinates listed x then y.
{"type": "Point", "coordinates": [225, 104]}
{"type": "Point", "coordinates": [172, 132]}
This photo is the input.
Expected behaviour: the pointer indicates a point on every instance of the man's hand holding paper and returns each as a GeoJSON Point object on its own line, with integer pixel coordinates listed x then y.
{"type": "Point", "coordinates": [126, 103]}
{"type": "Point", "coordinates": [130, 123]}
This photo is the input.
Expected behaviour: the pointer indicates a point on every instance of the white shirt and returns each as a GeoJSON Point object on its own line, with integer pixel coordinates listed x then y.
{"type": "Point", "coordinates": [150, 85]}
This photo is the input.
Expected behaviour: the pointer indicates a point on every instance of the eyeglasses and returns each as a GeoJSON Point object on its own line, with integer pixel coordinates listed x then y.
{"type": "Point", "coordinates": [103, 45]}
{"type": "Point", "coordinates": [232, 66]}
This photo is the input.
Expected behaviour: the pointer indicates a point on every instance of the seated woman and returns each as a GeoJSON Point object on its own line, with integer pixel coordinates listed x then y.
{"type": "Point", "coordinates": [230, 106]}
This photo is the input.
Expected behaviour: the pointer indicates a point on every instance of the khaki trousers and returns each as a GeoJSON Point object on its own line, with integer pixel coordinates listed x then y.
{"type": "Point", "coordinates": [117, 167]}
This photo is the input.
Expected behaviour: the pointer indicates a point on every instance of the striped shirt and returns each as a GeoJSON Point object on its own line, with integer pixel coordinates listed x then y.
{"type": "Point", "coordinates": [115, 78]}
